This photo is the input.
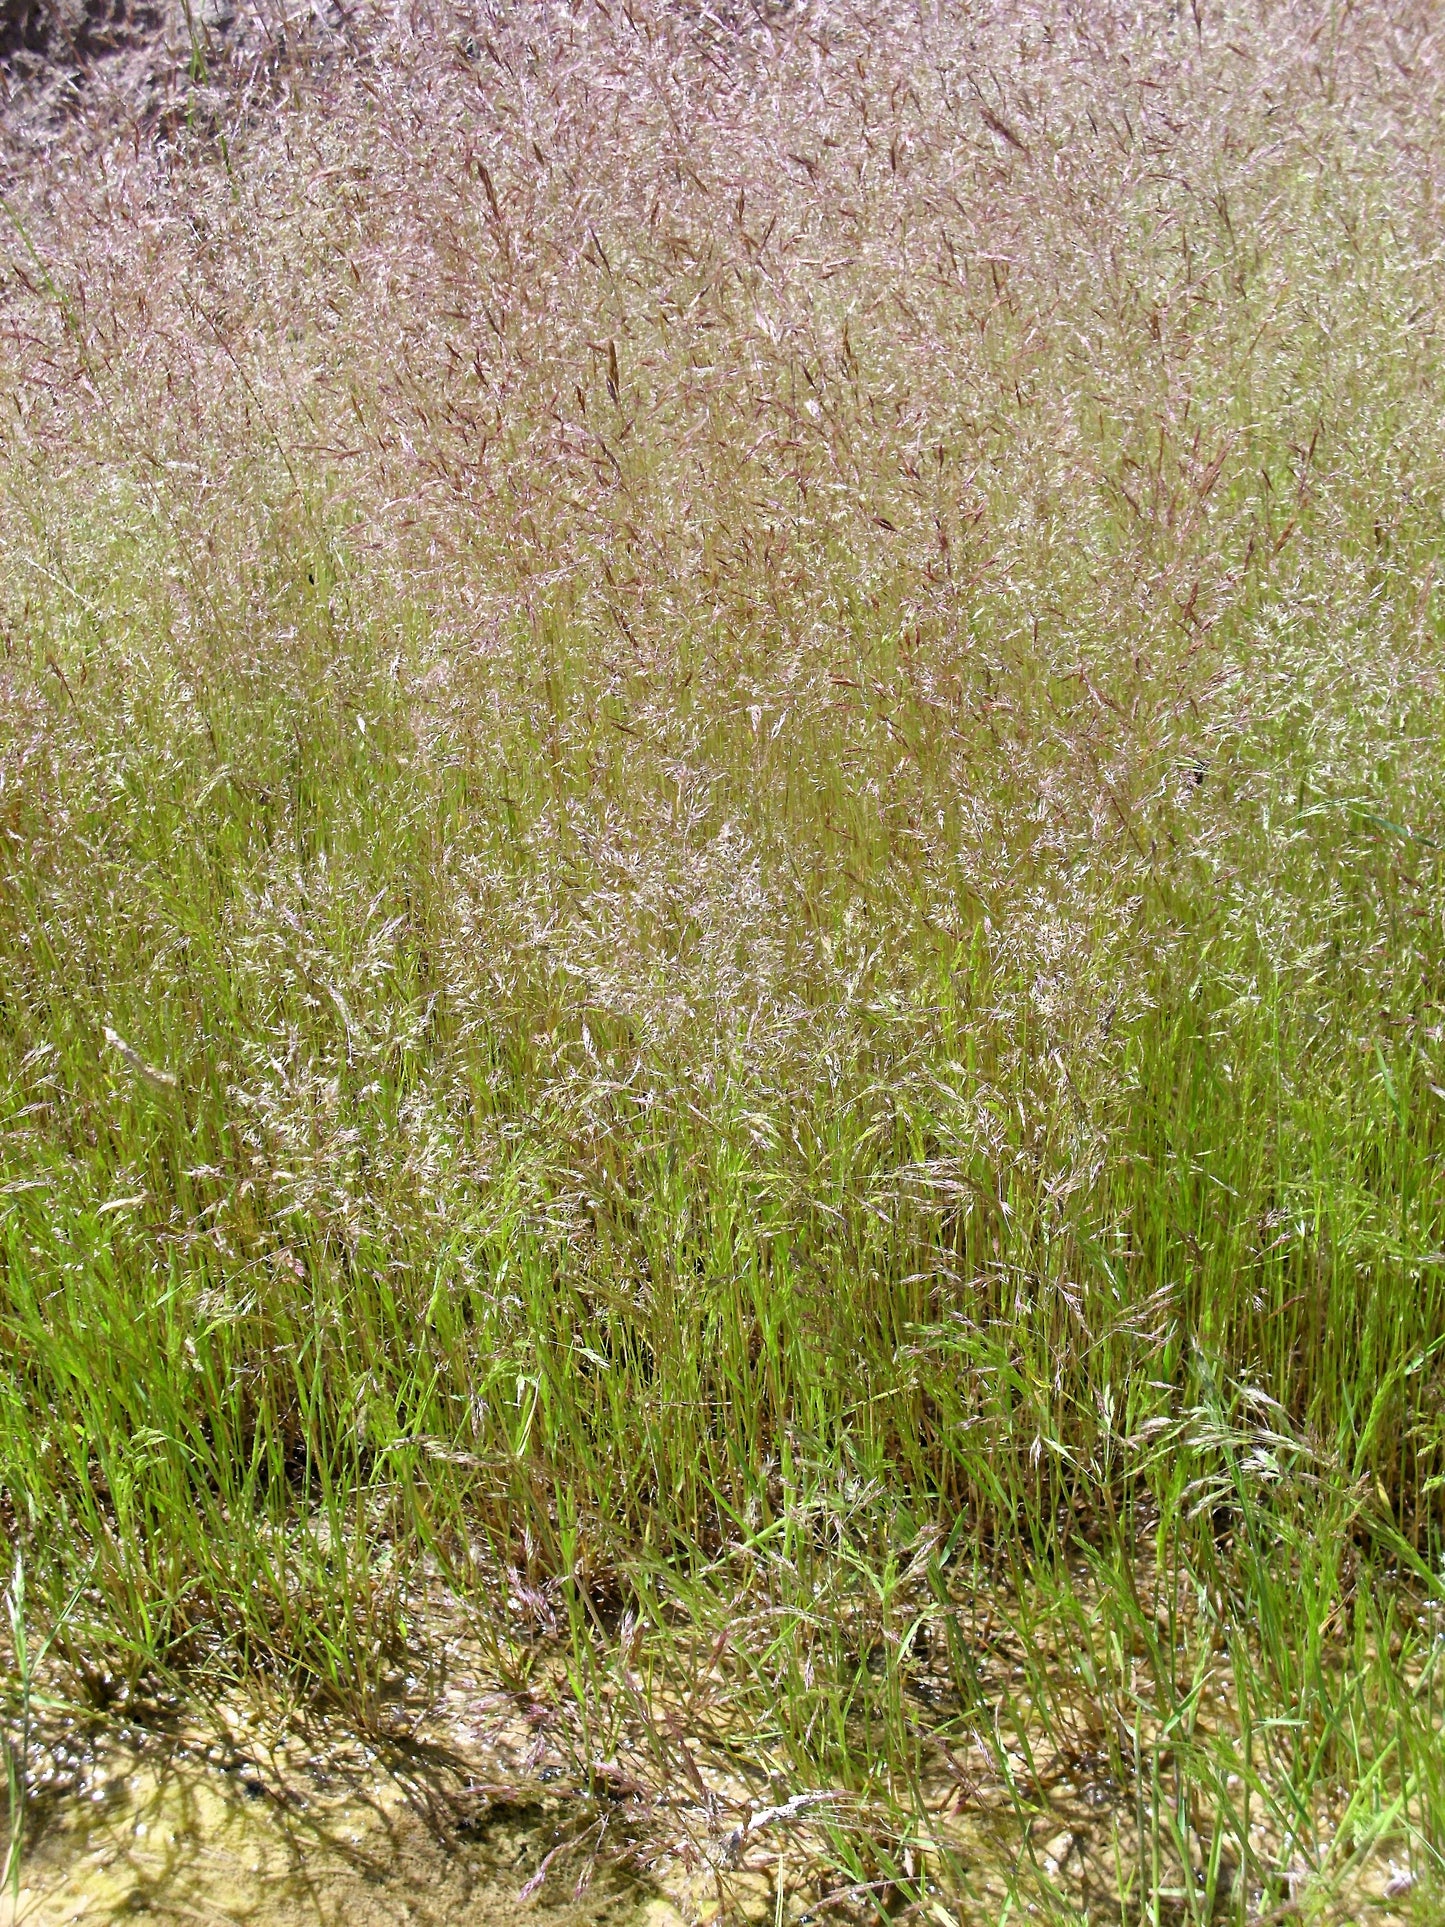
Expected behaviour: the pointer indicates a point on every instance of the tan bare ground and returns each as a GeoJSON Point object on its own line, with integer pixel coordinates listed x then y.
{"type": "Point", "coordinates": [179, 1832]}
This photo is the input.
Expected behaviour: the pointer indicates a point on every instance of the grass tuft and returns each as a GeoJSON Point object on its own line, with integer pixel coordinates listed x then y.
{"type": "Point", "coordinates": [720, 878]}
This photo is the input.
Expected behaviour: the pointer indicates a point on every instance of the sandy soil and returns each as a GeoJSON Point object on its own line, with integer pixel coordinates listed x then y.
{"type": "Point", "coordinates": [180, 1837]}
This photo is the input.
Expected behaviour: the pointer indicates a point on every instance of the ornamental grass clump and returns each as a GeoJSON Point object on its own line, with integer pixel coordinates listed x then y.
{"type": "Point", "coordinates": [720, 922]}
